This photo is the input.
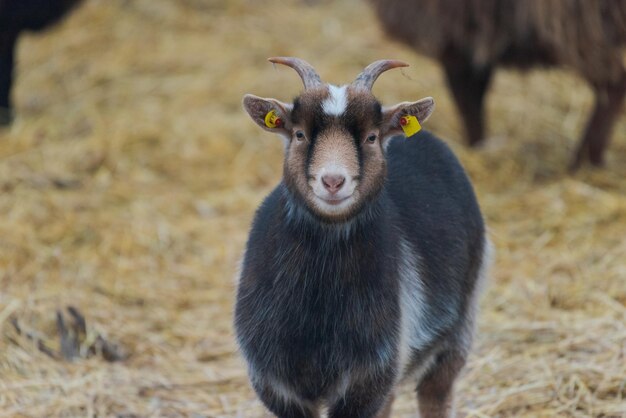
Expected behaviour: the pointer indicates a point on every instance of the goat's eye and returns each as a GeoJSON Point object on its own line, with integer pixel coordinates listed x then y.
{"type": "Point", "coordinates": [299, 135]}
{"type": "Point", "coordinates": [372, 138]}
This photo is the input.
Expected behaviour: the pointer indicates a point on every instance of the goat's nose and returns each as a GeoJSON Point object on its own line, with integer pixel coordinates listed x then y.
{"type": "Point", "coordinates": [333, 182]}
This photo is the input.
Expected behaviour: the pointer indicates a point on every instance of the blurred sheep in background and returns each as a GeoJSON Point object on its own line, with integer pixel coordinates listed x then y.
{"type": "Point", "coordinates": [17, 16]}
{"type": "Point", "coordinates": [471, 38]}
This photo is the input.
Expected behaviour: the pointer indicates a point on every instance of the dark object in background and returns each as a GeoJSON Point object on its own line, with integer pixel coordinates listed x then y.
{"type": "Point", "coordinates": [17, 16]}
{"type": "Point", "coordinates": [362, 266]}
{"type": "Point", "coordinates": [77, 340]}
{"type": "Point", "coordinates": [472, 37]}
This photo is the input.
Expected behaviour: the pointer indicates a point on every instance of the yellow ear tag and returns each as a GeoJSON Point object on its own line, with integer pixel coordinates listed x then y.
{"type": "Point", "coordinates": [272, 120]}
{"type": "Point", "coordinates": [410, 125]}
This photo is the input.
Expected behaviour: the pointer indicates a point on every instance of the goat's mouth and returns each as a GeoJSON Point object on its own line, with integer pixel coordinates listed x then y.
{"type": "Point", "coordinates": [335, 200]}
{"type": "Point", "coordinates": [332, 202]}
{"type": "Point", "coordinates": [333, 205]}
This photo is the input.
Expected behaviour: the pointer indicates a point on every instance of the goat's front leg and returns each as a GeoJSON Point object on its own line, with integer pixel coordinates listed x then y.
{"type": "Point", "coordinates": [386, 411]}
{"type": "Point", "coordinates": [367, 399]}
{"type": "Point", "coordinates": [435, 392]}
{"type": "Point", "coordinates": [282, 406]}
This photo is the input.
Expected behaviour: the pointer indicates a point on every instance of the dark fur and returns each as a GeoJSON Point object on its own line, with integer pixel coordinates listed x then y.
{"type": "Point", "coordinates": [17, 16]}
{"type": "Point", "coordinates": [317, 299]}
{"type": "Point", "coordinates": [472, 37]}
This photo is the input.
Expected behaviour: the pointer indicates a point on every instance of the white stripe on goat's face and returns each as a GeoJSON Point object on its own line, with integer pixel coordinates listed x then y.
{"type": "Point", "coordinates": [329, 162]}
{"type": "Point", "coordinates": [337, 101]}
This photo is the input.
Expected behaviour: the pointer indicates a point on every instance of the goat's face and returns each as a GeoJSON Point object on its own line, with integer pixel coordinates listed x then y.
{"type": "Point", "coordinates": [335, 139]}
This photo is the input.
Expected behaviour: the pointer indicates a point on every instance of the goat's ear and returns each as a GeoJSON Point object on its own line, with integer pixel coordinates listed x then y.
{"type": "Point", "coordinates": [270, 114]}
{"type": "Point", "coordinates": [392, 116]}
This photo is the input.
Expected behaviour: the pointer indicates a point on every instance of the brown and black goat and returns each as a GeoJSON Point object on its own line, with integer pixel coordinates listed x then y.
{"type": "Point", "coordinates": [17, 16]}
{"type": "Point", "coordinates": [362, 267]}
{"type": "Point", "coordinates": [470, 38]}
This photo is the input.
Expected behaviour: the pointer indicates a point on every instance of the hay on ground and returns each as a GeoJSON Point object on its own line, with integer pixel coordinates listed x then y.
{"type": "Point", "coordinates": [131, 174]}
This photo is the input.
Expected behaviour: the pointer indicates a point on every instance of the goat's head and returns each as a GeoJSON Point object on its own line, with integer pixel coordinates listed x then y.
{"type": "Point", "coordinates": [335, 137]}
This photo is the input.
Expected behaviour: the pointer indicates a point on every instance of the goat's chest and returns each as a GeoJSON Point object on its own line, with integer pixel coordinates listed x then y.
{"type": "Point", "coordinates": [328, 306]}
{"type": "Point", "coordinates": [321, 316]}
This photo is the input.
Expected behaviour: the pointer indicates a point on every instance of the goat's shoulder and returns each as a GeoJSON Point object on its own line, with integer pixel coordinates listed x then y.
{"type": "Point", "coordinates": [433, 195]}
{"type": "Point", "coordinates": [424, 169]}
{"type": "Point", "coordinates": [422, 153]}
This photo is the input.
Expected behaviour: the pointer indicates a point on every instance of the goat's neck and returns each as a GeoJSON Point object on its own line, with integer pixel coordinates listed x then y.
{"type": "Point", "coordinates": [300, 220]}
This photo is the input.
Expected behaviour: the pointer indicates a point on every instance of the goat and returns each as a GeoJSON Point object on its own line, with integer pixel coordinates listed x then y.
{"type": "Point", "coordinates": [470, 38]}
{"type": "Point", "coordinates": [17, 16]}
{"type": "Point", "coordinates": [362, 266]}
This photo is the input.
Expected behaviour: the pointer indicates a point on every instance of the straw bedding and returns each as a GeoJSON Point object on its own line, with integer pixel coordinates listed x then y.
{"type": "Point", "coordinates": [131, 174]}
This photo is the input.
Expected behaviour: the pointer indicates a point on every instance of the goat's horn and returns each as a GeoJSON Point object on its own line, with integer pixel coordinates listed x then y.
{"type": "Point", "coordinates": [369, 75]}
{"type": "Point", "coordinates": [307, 73]}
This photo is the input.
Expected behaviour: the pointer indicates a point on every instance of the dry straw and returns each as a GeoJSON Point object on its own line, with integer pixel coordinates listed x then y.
{"type": "Point", "coordinates": [131, 174]}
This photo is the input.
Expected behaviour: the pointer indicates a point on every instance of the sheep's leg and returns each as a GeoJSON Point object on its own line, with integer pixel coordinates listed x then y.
{"type": "Point", "coordinates": [609, 101]}
{"type": "Point", "coordinates": [468, 85]}
{"type": "Point", "coordinates": [7, 57]}
{"type": "Point", "coordinates": [435, 392]}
